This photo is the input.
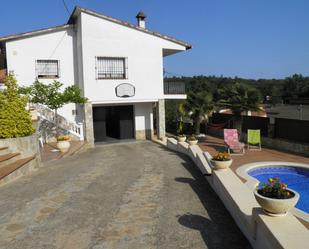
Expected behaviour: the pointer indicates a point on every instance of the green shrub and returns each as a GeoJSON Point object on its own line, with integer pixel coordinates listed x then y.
{"type": "Point", "coordinates": [15, 120]}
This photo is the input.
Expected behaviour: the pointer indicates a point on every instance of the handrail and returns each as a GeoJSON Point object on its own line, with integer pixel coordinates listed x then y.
{"type": "Point", "coordinates": [174, 88]}
{"type": "Point", "coordinates": [48, 114]}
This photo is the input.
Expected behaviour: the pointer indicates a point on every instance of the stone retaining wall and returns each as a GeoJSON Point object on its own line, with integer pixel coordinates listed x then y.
{"type": "Point", "coordinates": [26, 146]}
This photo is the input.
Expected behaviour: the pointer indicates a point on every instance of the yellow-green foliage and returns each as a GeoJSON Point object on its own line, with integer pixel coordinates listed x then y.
{"type": "Point", "coordinates": [15, 120]}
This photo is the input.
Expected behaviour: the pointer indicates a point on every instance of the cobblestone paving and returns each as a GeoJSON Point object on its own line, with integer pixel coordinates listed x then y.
{"type": "Point", "coordinates": [135, 195]}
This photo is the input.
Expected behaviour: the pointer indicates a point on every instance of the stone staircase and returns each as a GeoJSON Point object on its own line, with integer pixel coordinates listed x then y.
{"type": "Point", "coordinates": [14, 165]}
{"type": "Point", "coordinates": [47, 124]}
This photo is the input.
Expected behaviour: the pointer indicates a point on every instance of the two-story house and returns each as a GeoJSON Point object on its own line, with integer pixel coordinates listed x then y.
{"type": "Point", "coordinates": [118, 66]}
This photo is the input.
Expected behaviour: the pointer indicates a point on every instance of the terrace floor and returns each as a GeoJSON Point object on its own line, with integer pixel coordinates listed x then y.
{"type": "Point", "coordinates": [50, 151]}
{"type": "Point", "coordinates": [213, 145]}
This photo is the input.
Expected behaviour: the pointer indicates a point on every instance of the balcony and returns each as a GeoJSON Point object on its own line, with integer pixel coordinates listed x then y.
{"type": "Point", "coordinates": [175, 90]}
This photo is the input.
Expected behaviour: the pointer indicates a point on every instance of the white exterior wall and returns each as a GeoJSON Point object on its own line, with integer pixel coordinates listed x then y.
{"type": "Point", "coordinates": [145, 60]}
{"type": "Point", "coordinates": [22, 54]}
{"type": "Point", "coordinates": [143, 116]}
{"type": "Point", "coordinates": [77, 49]}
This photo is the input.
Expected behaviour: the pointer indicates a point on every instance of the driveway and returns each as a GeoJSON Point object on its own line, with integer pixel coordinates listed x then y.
{"type": "Point", "coordinates": [136, 195]}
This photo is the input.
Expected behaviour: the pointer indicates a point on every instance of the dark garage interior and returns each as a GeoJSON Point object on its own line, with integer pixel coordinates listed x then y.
{"type": "Point", "coordinates": [113, 123]}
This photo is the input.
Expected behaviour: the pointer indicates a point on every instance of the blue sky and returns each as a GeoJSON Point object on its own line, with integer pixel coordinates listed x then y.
{"type": "Point", "coordinates": [245, 38]}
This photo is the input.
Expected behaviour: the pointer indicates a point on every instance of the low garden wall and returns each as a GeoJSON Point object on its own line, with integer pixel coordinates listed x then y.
{"type": "Point", "coordinates": [26, 146]}
{"type": "Point", "coordinates": [262, 231]}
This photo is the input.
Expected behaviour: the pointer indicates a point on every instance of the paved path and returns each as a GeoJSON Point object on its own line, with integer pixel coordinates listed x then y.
{"type": "Point", "coordinates": [135, 195]}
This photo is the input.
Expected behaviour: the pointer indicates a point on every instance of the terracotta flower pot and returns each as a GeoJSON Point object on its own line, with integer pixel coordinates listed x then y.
{"type": "Point", "coordinates": [276, 207]}
{"type": "Point", "coordinates": [221, 165]}
{"type": "Point", "coordinates": [182, 138]}
{"type": "Point", "coordinates": [63, 146]}
{"type": "Point", "coordinates": [192, 142]}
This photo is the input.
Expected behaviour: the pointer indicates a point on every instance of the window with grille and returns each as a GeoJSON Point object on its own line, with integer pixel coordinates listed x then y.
{"type": "Point", "coordinates": [47, 69]}
{"type": "Point", "coordinates": [111, 68]}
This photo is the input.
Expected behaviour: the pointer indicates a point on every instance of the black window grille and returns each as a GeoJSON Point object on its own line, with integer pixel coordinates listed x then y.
{"type": "Point", "coordinates": [111, 68]}
{"type": "Point", "coordinates": [47, 69]}
{"type": "Point", "coordinates": [174, 88]}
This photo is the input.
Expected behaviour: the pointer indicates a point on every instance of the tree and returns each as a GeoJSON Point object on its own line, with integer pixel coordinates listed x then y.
{"type": "Point", "coordinates": [52, 96]}
{"type": "Point", "coordinates": [239, 98]}
{"type": "Point", "coordinates": [198, 105]}
{"type": "Point", "coordinates": [15, 120]}
{"type": "Point", "coordinates": [296, 86]}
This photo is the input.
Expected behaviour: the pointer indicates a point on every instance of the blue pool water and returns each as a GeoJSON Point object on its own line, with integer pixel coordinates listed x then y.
{"type": "Point", "coordinates": [295, 177]}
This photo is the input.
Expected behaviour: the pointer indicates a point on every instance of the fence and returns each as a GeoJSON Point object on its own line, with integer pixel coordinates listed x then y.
{"type": "Point", "coordinates": [258, 123]}
{"type": "Point", "coordinates": [292, 129]}
{"type": "Point", "coordinates": [248, 122]}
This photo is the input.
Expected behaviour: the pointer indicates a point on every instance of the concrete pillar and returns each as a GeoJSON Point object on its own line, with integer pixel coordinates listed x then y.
{"type": "Point", "coordinates": [160, 119]}
{"type": "Point", "coordinates": [89, 134]}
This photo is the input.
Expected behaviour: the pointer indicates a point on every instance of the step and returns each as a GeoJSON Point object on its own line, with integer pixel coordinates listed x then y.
{"type": "Point", "coordinates": [4, 150]}
{"type": "Point", "coordinates": [10, 168]}
{"type": "Point", "coordinates": [8, 158]}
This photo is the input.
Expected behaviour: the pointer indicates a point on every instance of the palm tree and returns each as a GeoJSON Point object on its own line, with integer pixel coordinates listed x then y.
{"type": "Point", "coordinates": [239, 98]}
{"type": "Point", "coordinates": [198, 105]}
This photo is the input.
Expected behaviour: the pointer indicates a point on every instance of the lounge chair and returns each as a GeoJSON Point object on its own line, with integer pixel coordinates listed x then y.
{"type": "Point", "coordinates": [254, 140]}
{"type": "Point", "coordinates": [232, 142]}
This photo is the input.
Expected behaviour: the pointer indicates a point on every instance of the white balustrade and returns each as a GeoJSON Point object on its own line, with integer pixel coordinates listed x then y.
{"type": "Point", "coordinates": [48, 114]}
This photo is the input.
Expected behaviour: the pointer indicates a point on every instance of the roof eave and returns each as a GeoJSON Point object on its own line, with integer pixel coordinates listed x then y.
{"type": "Point", "coordinates": [35, 32]}
{"type": "Point", "coordinates": [77, 10]}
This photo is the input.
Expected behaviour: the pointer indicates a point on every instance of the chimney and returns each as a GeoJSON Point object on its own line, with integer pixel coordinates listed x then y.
{"type": "Point", "coordinates": [141, 19]}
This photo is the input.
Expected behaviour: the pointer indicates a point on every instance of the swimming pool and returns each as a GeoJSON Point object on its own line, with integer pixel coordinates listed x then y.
{"type": "Point", "coordinates": [297, 178]}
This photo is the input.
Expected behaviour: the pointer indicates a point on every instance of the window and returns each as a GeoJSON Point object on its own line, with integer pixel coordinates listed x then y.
{"type": "Point", "coordinates": [47, 69]}
{"type": "Point", "coordinates": [111, 68]}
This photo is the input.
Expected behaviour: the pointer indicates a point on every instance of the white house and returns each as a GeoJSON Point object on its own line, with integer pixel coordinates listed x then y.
{"type": "Point", "coordinates": [118, 66]}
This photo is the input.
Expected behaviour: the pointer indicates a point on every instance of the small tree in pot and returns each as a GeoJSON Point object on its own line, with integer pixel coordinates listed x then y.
{"type": "Point", "coordinates": [181, 112]}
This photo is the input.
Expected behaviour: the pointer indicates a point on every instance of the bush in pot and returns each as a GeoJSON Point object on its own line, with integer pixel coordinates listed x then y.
{"type": "Point", "coordinates": [181, 138]}
{"type": "Point", "coordinates": [221, 161]}
{"type": "Point", "coordinates": [275, 198]}
{"type": "Point", "coordinates": [63, 143]}
{"type": "Point", "coordinates": [192, 140]}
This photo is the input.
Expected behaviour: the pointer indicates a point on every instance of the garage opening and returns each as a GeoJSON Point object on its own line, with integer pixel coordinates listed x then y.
{"type": "Point", "coordinates": [112, 123]}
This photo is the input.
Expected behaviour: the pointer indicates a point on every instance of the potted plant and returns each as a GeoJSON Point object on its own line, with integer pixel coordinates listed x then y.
{"type": "Point", "coordinates": [192, 140]}
{"type": "Point", "coordinates": [63, 143]}
{"type": "Point", "coordinates": [275, 198]}
{"type": "Point", "coordinates": [181, 138]}
{"type": "Point", "coordinates": [221, 161]}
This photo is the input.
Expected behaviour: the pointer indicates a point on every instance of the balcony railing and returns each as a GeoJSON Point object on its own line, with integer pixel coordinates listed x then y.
{"type": "Point", "coordinates": [174, 88]}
